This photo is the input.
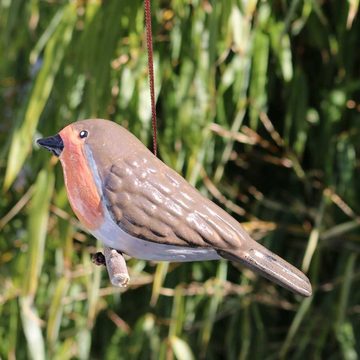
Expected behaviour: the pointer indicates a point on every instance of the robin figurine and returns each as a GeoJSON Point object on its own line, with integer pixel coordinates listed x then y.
{"type": "Point", "coordinates": [134, 203]}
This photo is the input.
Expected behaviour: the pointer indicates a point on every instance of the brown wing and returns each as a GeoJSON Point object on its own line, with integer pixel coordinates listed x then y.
{"type": "Point", "coordinates": [149, 200]}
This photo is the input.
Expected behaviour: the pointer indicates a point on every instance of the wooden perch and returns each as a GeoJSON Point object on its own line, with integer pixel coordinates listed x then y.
{"type": "Point", "coordinates": [115, 265]}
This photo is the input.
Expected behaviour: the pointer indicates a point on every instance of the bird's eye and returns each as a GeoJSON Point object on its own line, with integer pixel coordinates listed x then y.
{"type": "Point", "coordinates": [83, 134]}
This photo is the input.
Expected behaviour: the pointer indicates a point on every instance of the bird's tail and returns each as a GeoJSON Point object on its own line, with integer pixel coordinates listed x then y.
{"type": "Point", "coordinates": [271, 266]}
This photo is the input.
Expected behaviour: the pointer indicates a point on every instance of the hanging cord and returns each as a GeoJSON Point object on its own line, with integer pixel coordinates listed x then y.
{"type": "Point", "coordinates": [151, 70]}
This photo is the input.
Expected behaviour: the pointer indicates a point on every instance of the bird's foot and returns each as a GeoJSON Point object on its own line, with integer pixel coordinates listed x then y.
{"type": "Point", "coordinates": [98, 259]}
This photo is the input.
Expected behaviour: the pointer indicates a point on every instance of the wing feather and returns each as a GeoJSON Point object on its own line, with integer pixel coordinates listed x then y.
{"type": "Point", "coordinates": [157, 204]}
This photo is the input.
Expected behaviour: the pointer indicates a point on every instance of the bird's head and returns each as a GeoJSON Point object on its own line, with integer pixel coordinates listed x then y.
{"type": "Point", "coordinates": [103, 140]}
{"type": "Point", "coordinates": [70, 139]}
{"type": "Point", "coordinates": [87, 150]}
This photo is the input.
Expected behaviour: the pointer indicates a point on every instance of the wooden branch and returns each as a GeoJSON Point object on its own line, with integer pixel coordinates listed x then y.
{"type": "Point", "coordinates": [115, 265]}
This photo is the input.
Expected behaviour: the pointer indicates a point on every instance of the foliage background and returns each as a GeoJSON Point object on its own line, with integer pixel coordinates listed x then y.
{"type": "Point", "coordinates": [258, 107]}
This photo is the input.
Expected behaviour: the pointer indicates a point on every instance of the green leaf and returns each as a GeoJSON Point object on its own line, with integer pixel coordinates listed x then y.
{"type": "Point", "coordinates": [181, 349]}
{"type": "Point", "coordinates": [37, 229]}
{"type": "Point", "coordinates": [23, 134]}
{"type": "Point", "coordinates": [159, 278]}
{"type": "Point", "coordinates": [56, 310]}
{"type": "Point", "coordinates": [260, 58]}
{"type": "Point", "coordinates": [32, 328]}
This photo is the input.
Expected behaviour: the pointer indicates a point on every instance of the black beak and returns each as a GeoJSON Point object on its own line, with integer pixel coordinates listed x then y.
{"type": "Point", "coordinates": [53, 144]}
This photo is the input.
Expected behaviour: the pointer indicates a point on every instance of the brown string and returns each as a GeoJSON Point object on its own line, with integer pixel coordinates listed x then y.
{"type": "Point", "coordinates": [151, 70]}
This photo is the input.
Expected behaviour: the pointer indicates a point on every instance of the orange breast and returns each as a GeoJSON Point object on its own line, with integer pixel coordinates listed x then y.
{"type": "Point", "coordinates": [80, 185]}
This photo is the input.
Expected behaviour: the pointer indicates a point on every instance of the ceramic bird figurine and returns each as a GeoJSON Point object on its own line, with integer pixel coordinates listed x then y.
{"type": "Point", "coordinates": [131, 201]}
